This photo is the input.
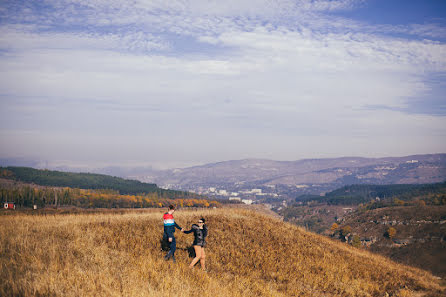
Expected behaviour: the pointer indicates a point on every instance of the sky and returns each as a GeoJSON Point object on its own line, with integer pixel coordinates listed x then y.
{"type": "Point", "coordinates": [179, 83]}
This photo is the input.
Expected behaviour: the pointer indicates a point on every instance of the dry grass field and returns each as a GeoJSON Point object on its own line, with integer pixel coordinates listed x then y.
{"type": "Point", "coordinates": [248, 254]}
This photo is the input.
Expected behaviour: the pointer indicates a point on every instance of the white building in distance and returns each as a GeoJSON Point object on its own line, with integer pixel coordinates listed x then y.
{"type": "Point", "coordinates": [223, 192]}
{"type": "Point", "coordinates": [253, 191]}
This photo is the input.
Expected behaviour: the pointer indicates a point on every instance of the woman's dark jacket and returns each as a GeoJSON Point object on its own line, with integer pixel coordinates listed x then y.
{"type": "Point", "coordinates": [199, 234]}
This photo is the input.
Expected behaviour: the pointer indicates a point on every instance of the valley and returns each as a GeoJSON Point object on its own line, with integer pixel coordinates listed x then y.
{"type": "Point", "coordinates": [267, 180]}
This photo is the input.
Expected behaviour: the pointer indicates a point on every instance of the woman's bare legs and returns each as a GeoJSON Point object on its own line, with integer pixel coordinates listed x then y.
{"type": "Point", "coordinates": [203, 259]}
{"type": "Point", "coordinates": [197, 258]}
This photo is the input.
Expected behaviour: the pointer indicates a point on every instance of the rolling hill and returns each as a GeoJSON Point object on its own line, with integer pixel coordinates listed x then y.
{"type": "Point", "coordinates": [78, 180]}
{"type": "Point", "coordinates": [248, 254]}
{"type": "Point", "coordinates": [417, 214]}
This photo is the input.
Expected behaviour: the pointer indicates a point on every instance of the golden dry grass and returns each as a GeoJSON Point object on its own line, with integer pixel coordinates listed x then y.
{"type": "Point", "coordinates": [248, 254]}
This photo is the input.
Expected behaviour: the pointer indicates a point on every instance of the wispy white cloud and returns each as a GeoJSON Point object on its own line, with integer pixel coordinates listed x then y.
{"type": "Point", "coordinates": [278, 76]}
{"type": "Point", "coordinates": [429, 30]}
{"type": "Point", "coordinates": [27, 38]}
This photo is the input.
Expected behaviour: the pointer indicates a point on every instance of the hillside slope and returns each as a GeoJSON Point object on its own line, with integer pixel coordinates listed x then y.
{"type": "Point", "coordinates": [249, 254]}
{"type": "Point", "coordinates": [420, 238]}
{"type": "Point", "coordinates": [83, 181]}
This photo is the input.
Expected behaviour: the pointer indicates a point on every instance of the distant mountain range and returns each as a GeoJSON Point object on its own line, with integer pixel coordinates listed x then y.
{"type": "Point", "coordinates": [410, 169]}
{"type": "Point", "coordinates": [308, 176]}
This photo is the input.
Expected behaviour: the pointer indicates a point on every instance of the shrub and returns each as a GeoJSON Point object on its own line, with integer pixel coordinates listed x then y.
{"type": "Point", "coordinates": [391, 232]}
{"type": "Point", "coordinates": [356, 242]}
{"type": "Point", "coordinates": [398, 202]}
{"type": "Point", "coordinates": [334, 227]}
{"type": "Point", "coordinates": [346, 230]}
{"type": "Point", "coordinates": [421, 203]}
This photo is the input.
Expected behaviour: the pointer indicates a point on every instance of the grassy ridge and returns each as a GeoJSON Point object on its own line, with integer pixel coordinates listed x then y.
{"type": "Point", "coordinates": [249, 254]}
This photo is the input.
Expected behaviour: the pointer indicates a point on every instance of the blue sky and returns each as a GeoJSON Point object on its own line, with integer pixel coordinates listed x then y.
{"type": "Point", "coordinates": [398, 12]}
{"type": "Point", "coordinates": [178, 83]}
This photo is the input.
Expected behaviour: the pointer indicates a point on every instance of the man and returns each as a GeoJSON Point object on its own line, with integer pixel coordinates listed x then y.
{"type": "Point", "coordinates": [169, 230]}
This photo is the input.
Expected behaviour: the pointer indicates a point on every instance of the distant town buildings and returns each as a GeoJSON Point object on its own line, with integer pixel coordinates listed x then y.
{"type": "Point", "coordinates": [223, 192]}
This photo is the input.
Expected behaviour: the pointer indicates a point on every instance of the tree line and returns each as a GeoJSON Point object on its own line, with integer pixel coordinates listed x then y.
{"type": "Point", "coordinates": [28, 196]}
{"type": "Point", "coordinates": [87, 181]}
{"type": "Point", "coordinates": [360, 194]}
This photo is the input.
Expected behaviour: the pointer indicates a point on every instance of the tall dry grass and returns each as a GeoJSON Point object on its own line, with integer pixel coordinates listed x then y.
{"type": "Point", "coordinates": [248, 254]}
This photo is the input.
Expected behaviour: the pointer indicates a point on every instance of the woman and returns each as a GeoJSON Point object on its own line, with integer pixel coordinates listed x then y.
{"type": "Point", "coordinates": [200, 233]}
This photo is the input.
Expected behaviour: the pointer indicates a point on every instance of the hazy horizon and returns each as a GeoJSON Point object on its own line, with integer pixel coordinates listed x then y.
{"type": "Point", "coordinates": [64, 164]}
{"type": "Point", "coordinates": [182, 83]}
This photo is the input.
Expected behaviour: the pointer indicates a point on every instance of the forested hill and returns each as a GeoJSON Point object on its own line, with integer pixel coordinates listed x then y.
{"type": "Point", "coordinates": [356, 194]}
{"type": "Point", "coordinates": [82, 181]}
